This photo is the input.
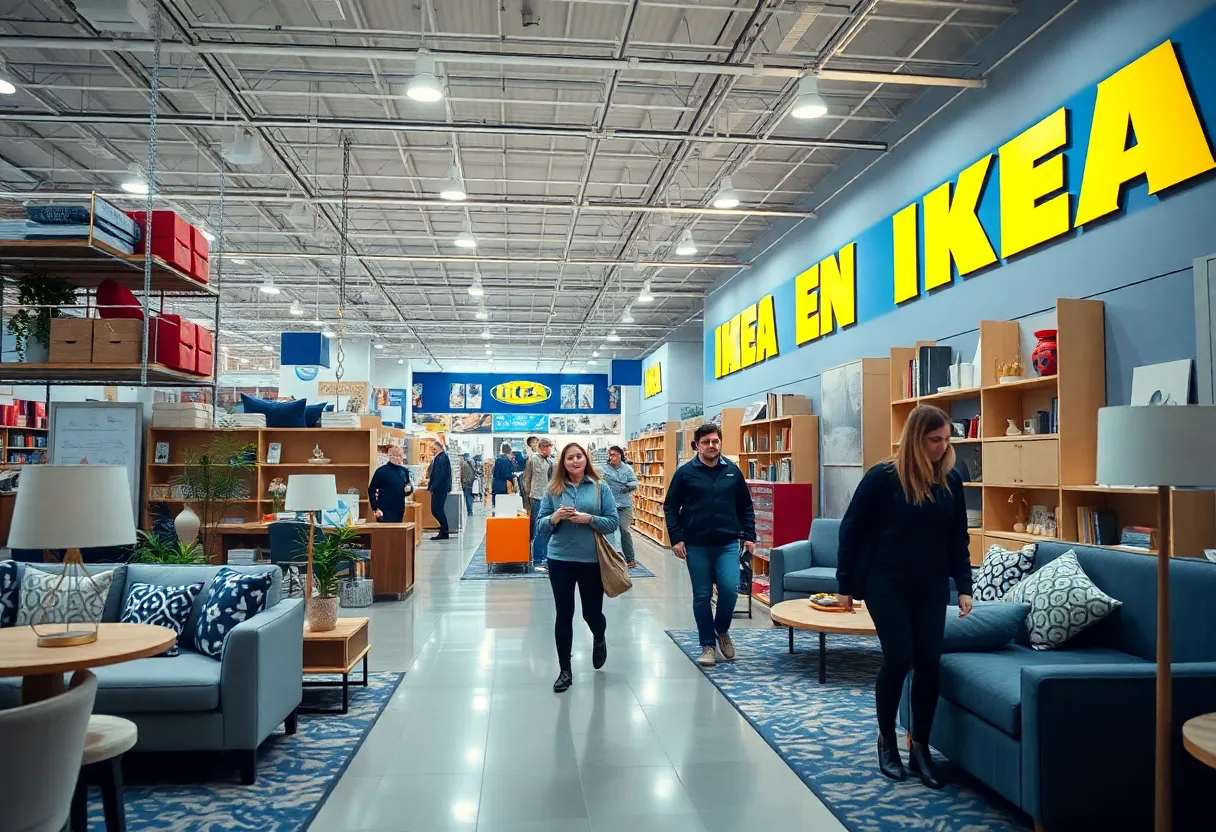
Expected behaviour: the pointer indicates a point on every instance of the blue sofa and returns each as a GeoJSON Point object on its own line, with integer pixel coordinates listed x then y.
{"type": "Point", "coordinates": [1067, 735]}
{"type": "Point", "coordinates": [192, 702]}
{"type": "Point", "coordinates": [802, 568]}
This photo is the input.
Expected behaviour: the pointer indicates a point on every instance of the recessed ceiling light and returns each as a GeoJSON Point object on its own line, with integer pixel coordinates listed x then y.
{"type": "Point", "coordinates": [489, 351]}
{"type": "Point", "coordinates": [727, 196]}
{"type": "Point", "coordinates": [239, 261]}
{"type": "Point", "coordinates": [378, 346]}
{"type": "Point", "coordinates": [476, 289]}
{"type": "Point", "coordinates": [296, 309]}
{"type": "Point", "coordinates": [612, 336]}
{"type": "Point", "coordinates": [465, 238]}
{"type": "Point", "coordinates": [686, 246]}
{"type": "Point", "coordinates": [6, 86]}
{"type": "Point", "coordinates": [592, 362]}
{"type": "Point", "coordinates": [268, 287]}
{"type": "Point", "coordinates": [595, 353]}
{"type": "Point", "coordinates": [424, 86]}
{"type": "Point", "coordinates": [136, 183]}
{"type": "Point", "coordinates": [481, 314]}
{"type": "Point", "coordinates": [451, 188]}
{"type": "Point", "coordinates": [810, 103]}
{"type": "Point", "coordinates": [400, 360]}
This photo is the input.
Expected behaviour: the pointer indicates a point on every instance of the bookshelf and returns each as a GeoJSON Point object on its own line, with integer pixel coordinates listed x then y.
{"type": "Point", "coordinates": [23, 446]}
{"type": "Point", "coordinates": [783, 515]}
{"type": "Point", "coordinates": [783, 449]}
{"type": "Point", "coordinates": [1054, 470]}
{"type": "Point", "coordinates": [654, 457]}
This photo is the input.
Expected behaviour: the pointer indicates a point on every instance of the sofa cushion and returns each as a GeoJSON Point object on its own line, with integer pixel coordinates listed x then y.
{"type": "Point", "coordinates": [825, 542]}
{"type": "Point", "coordinates": [1063, 602]}
{"type": "Point", "coordinates": [113, 599]}
{"type": "Point", "coordinates": [1001, 571]}
{"type": "Point", "coordinates": [278, 414]}
{"type": "Point", "coordinates": [312, 413]}
{"type": "Point", "coordinates": [43, 599]}
{"type": "Point", "coordinates": [10, 594]}
{"type": "Point", "coordinates": [163, 606]}
{"type": "Point", "coordinates": [990, 626]}
{"type": "Point", "coordinates": [188, 682]}
{"type": "Point", "coordinates": [990, 684]}
{"type": "Point", "coordinates": [231, 599]}
{"type": "Point", "coordinates": [810, 581]}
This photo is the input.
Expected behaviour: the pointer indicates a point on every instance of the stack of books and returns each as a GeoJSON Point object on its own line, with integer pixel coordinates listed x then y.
{"type": "Point", "coordinates": [1095, 526]}
{"type": "Point", "coordinates": [1138, 537]}
{"type": "Point", "coordinates": [182, 415]}
{"type": "Point", "coordinates": [344, 419]}
{"type": "Point", "coordinates": [242, 420]}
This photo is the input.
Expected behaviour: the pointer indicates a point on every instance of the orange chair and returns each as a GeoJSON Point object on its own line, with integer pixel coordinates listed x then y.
{"type": "Point", "coordinates": [507, 540]}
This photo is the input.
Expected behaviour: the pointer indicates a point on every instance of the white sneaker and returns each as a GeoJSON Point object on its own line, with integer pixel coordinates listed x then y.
{"type": "Point", "coordinates": [726, 646]}
{"type": "Point", "coordinates": [708, 659]}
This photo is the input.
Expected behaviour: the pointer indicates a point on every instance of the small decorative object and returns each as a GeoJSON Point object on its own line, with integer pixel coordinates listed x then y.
{"type": "Point", "coordinates": [1044, 357]}
{"type": "Point", "coordinates": [278, 492]}
{"type": "Point", "coordinates": [958, 429]}
{"type": "Point", "coordinates": [953, 376]}
{"type": "Point", "coordinates": [1019, 517]}
{"type": "Point", "coordinates": [1008, 371]}
{"type": "Point", "coordinates": [966, 376]}
{"type": "Point", "coordinates": [356, 592]}
{"type": "Point", "coordinates": [274, 452]}
{"type": "Point", "coordinates": [1162, 384]}
{"type": "Point", "coordinates": [318, 456]}
{"type": "Point", "coordinates": [826, 602]}
{"type": "Point", "coordinates": [1012, 430]}
{"type": "Point", "coordinates": [187, 524]}
{"type": "Point", "coordinates": [1029, 427]}
{"type": "Point", "coordinates": [158, 492]}
{"type": "Point", "coordinates": [162, 452]}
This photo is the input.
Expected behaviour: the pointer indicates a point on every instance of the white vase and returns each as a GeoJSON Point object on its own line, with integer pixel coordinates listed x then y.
{"type": "Point", "coordinates": [322, 613]}
{"type": "Point", "coordinates": [966, 375]}
{"type": "Point", "coordinates": [36, 352]}
{"type": "Point", "coordinates": [187, 525]}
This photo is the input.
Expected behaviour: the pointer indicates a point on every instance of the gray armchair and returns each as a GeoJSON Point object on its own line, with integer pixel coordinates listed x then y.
{"type": "Point", "coordinates": [804, 567]}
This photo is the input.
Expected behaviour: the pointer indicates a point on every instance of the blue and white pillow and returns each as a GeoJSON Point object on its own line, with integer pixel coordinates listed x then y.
{"type": "Point", "coordinates": [10, 593]}
{"type": "Point", "coordinates": [1001, 571]}
{"type": "Point", "coordinates": [234, 597]}
{"type": "Point", "coordinates": [163, 606]}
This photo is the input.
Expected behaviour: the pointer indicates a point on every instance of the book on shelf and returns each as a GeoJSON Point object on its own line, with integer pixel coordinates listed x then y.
{"type": "Point", "coordinates": [754, 411]}
{"type": "Point", "coordinates": [1096, 527]}
{"type": "Point", "coordinates": [763, 441]}
{"type": "Point", "coordinates": [934, 368]}
{"type": "Point", "coordinates": [1054, 425]}
{"type": "Point", "coordinates": [1138, 537]}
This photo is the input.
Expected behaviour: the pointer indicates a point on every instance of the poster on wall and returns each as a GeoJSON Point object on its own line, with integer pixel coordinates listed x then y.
{"type": "Point", "coordinates": [521, 423]}
{"type": "Point", "coordinates": [614, 397]}
{"type": "Point", "coordinates": [840, 416]}
{"type": "Point", "coordinates": [604, 425]}
{"type": "Point", "coordinates": [569, 396]}
{"type": "Point", "coordinates": [456, 396]}
{"type": "Point", "coordinates": [473, 396]}
{"type": "Point", "coordinates": [416, 396]}
{"type": "Point", "coordinates": [561, 424]}
{"type": "Point", "coordinates": [433, 422]}
{"type": "Point", "coordinates": [586, 397]}
{"type": "Point", "coordinates": [472, 423]}
{"type": "Point", "coordinates": [379, 401]}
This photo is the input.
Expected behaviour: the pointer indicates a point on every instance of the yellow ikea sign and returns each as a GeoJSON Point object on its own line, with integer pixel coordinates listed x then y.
{"type": "Point", "coordinates": [653, 382]}
{"type": "Point", "coordinates": [521, 392]}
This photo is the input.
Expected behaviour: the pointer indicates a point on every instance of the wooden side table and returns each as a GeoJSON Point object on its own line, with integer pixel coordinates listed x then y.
{"type": "Point", "coordinates": [1199, 738]}
{"type": "Point", "coordinates": [336, 652]}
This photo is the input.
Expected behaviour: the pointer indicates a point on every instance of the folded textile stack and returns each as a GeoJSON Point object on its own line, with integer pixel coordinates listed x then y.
{"type": "Point", "coordinates": [340, 420]}
{"type": "Point", "coordinates": [181, 415]}
{"type": "Point", "coordinates": [242, 420]}
{"type": "Point", "coordinates": [74, 222]}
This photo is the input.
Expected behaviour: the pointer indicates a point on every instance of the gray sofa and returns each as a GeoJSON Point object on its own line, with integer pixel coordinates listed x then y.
{"type": "Point", "coordinates": [802, 568]}
{"type": "Point", "coordinates": [192, 702]}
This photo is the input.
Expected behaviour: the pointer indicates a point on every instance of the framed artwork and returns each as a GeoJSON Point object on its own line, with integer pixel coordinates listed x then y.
{"type": "Point", "coordinates": [569, 396]}
{"type": "Point", "coordinates": [586, 396]}
{"type": "Point", "coordinates": [416, 395]}
{"type": "Point", "coordinates": [614, 397]}
{"type": "Point", "coordinates": [274, 452]}
{"type": "Point", "coordinates": [1168, 383]}
{"type": "Point", "coordinates": [473, 396]}
{"type": "Point", "coordinates": [162, 452]}
{"type": "Point", "coordinates": [456, 398]}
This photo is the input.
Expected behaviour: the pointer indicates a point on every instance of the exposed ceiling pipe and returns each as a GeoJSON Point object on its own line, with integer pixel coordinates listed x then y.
{"type": "Point", "coordinates": [478, 258]}
{"type": "Point", "coordinates": [274, 51]}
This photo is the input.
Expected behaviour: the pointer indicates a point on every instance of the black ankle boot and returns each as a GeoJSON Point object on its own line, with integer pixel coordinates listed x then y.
{"type": "Point", "coordinates": [889, 762]}
{"type": "Point", "coordinates": [563, 683]}
{"type": "Point", "coordinates": [920, 762]}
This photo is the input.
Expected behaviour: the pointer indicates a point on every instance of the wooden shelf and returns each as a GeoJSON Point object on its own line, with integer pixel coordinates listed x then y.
{"type": "Point", "coordinates": [1022, 437]}
{"type": "Point", "coordinates": [158, 374]}
{"type": "Point", "coordinates": [1030, 383]}
{"type": "Point", "coordinates": [1103, 489]}
{"type": "Point", "coordinates": [962, 440]}
{"type": "Point", "coordinates": [951, 395]}
{"type": "Point", "coordinates": [86, 264]}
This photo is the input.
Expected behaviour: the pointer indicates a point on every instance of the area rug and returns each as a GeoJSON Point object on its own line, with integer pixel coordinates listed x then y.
{"type": "Point", "coordinates": [199, 793]}
{"type": "Point", "coordinates": [478, 569]}
{"type": "Point", "coordinates": [826, 733]}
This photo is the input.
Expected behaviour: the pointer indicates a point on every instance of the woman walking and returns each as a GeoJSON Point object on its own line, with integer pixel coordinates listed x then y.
{"type": "Point", "coordinates": [902, 539]}
{"type": "Point", "coordinates": [503, 473]}
{"type": "Point", "coordinates": [575, 507]}
{"type": "Point", "coordinates": [623, 482]}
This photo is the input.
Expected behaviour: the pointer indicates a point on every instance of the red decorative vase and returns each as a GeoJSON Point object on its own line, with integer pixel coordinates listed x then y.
{"type": "Point", "coordinates": [1044, 356]}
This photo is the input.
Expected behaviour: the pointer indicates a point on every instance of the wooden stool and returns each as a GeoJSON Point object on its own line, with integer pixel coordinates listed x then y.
{"type": "Point", "coordinates": [108, 739]}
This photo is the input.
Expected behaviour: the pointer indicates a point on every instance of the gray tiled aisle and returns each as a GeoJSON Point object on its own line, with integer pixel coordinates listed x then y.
{"type": "Point", "coordinates": [475, 739]}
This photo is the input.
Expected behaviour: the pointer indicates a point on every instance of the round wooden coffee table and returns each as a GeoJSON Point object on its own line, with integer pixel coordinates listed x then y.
{"type": "Point", "coordinates": [1199, 738]}
{"type": "Point", "coordinates": [43, 667]}
{"type": "Point", "coordinates": [798, 614]}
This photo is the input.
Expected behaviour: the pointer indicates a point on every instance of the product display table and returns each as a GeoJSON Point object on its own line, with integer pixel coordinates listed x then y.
{"type": "Point", "coordinates": [336, 652]}
{"type": "Point", "coordinates": [1199, 738]}
{"type": "Point", "coordinates": [800, 615]}
{"type": "Point", "coordinates": [43, 667]}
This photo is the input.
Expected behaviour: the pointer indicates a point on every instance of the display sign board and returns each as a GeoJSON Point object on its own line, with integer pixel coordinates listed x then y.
{"type": "Point", "coordinates": [501, 393]}
{"type": "Point", "coordinates": [521, 423]}
{"type": "Point", "coordinates": [653, 381]}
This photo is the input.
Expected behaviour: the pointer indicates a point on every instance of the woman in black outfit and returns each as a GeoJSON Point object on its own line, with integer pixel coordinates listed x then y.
{"type": "Point", "coordinates": [902, 539]}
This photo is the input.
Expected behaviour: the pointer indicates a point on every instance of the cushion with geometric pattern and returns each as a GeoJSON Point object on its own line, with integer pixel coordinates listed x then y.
{"type": "Point", "coordinates": [9, 593]}
{"type": "Point", "coordinates": [234, 597]}
{"type": "Point", "coordinates": [1063, 602]}
{"type": "Point", "coordinates": [1001, 571]}
{"type": "Point", "coordinates": [46, 599]}
{"type": "Point", "coordinates": [163, 606]}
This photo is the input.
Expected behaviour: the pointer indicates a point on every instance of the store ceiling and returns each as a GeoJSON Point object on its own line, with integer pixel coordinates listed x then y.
{"type": "Point", "coordinates": [585, 156]}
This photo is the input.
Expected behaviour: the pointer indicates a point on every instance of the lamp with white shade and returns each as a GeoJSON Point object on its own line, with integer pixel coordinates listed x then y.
{"type": "Point", "coordinates": [310, 493]}
{"type": "Point", "coordinates": [1162, 447]}
{"type": "Point", "coordinates": [98, 513]}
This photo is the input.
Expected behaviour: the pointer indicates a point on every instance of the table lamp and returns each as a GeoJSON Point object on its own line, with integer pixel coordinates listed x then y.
{"type": "Point", "coordinates": [70, 507]}
{"type": "Point", "coordinates": [1159, 446]}
{"type": "Point", "coordinates": [311, 493]}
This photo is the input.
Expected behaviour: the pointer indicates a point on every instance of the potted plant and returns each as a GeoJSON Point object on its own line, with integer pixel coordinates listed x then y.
{"type": "Point", "coordinates": [153, 549]}
{"type": "Point", "coordinates": [329, 556]}
{"type": "Point", "coordinates": [212, 478]}
{"type": "Point", "coordinates": [38, 297]}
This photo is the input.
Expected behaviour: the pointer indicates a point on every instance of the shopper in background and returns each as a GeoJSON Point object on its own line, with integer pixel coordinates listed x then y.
{"type": "Point", "coordinates": [389, 487]}
{"type": "Point", "coordinates": [535, 481]}
{"type": "Point", "coordinates": [576, 506]}
{"type": "Point", "coordinates": [503, 473]}
{"type": "Point", "coordinates": [531, 445]}
{"type": "Point", "coordinates": [623, 482]}
{"type": "Point", "coordinates": [709, 510]}
{"type": "Point", "coordinates": [902, 539]}
{"type": "Point", "coordinates": [439, 483]}
{"type": "Point", "coordinates": [467, 477]}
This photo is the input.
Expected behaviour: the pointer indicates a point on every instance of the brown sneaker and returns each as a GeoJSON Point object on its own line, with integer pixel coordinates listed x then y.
{"type": "Point", "coordinates": [708, 659]}
{"type": "Point", "coordinates": [726, 646]}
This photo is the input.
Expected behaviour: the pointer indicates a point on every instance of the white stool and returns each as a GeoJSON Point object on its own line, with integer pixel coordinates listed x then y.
{"type": "Point", "coordinates": [108, 739]}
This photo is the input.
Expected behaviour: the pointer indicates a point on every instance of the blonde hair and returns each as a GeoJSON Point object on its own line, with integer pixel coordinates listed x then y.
{"type": "Point", "coordinates": [917, 474]}
{"type": "Point", "coordinates": [561, 477]}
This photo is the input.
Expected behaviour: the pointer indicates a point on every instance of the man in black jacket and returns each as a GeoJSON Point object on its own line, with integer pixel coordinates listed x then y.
{"type": "Point", "coordinates": [439, 483]}
{"type": "Point", "coordinates": [389, 486]}
{"type": "Point", "coordinates": [709, 510]}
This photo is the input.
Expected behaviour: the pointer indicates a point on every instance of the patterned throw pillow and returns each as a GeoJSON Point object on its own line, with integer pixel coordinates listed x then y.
{"type": "Point", "coordinates": [1001, 571]}
{"type": "Point", "coordinates": [1063, 602]}
{"type": "Point", "coordinates": [70, 606]}
{"type": "Point", "coordinates": [9, 593]}
{"type": "Point", "coordinates": [164, 606]}
{"type": "Point", "coordinates": [233, 597]}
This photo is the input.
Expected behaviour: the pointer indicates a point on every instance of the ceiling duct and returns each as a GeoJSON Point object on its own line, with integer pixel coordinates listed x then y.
{"type": "Point", "coordinates": [114, 15]}
{"type": "Point", "coordinates": [243, 149]}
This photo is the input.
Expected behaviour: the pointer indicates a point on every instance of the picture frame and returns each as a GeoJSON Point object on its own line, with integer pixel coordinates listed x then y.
{"type": "Point", "coordinates": [274, 452]}
{"type": "Point", "coordinates": [958, 429]}
{"type": "Point", "coordinates": [158, 492]}
{"type": "Point", "coordinates": [162, 453]}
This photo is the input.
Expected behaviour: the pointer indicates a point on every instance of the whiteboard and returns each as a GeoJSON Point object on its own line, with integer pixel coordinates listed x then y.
{"type": "Point", "coordinates": [99, 433]}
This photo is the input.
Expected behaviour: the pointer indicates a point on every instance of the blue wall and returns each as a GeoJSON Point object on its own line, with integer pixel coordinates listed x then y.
{"type": "Point", "coordinates": [1139, 264]}
{"type": "Point", "coordinates": [436, 387]}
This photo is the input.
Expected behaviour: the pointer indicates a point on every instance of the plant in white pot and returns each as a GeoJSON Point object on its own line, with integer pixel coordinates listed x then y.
{"type": "Point", "coordinates": [39, 297]}
{"type": "Point", "coordinates": [330, 555]}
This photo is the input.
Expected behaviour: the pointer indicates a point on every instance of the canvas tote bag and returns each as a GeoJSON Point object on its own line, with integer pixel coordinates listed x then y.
{"type": "Point", "coordinates": [614, 574]}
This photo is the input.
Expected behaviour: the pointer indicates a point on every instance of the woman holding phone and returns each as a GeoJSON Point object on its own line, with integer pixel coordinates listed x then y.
{"type": "Point", "coordinates": [577, 504]}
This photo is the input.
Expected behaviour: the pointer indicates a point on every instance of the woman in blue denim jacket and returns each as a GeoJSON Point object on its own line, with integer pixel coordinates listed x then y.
{"type": "Point", "coordinates": [577, 504]}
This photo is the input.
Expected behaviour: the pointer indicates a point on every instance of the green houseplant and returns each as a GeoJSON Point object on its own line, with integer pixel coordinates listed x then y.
{"type": "Point", "coordinates": [38, 297]}
{"type": "Point", "coordinates": [329, 555]}
{"type": "Point", "coordinates": [152, 549]}
{"type": "Point", "coordinates": [213, 477]}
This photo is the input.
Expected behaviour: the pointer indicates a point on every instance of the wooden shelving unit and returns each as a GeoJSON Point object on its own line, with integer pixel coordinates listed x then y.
{"type": "Point", "coordinates": [783, 515]}
{"type": "Point", "coordinates": [36, 455]}
{"type": "Point", "coordinates": [654, 457]}
{"type": "Point", "coordinates": [1054, 470]}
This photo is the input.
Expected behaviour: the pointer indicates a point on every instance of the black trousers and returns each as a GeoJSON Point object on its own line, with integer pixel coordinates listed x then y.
{"type": "Point", "coordinates": [910, 630]}
{"type": "Point", "coordinates": [392, 515]}
{"type": "Point", "coordinates": [564, 575]}
{"type": "Point", "coordinates": [439, 511]}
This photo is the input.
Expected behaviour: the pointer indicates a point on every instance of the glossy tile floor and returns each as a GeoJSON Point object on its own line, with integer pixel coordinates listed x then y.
{"type": "Point", "coordinates": [475, 738]}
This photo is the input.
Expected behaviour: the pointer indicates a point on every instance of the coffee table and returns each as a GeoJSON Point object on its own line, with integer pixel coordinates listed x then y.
{"type": "Point", "coordinates": [1199, 738]}
{"type": "Point", "coordinates": [798, 614]}
{"type": "Point", "coordinates": [336, 652]}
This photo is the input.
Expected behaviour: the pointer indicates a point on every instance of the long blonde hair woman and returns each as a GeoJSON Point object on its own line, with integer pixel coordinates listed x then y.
{"type": "Point", "coordinates": [902, 540]}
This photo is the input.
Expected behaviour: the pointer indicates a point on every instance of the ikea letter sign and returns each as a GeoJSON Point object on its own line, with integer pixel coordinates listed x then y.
{"type": "Point", "coordinates": [520, 392]}
{"type": "Point", "coordinates": [653, 382]}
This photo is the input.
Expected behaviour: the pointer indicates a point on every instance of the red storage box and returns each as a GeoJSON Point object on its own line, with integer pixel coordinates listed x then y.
{"type": "Point", "coordinates": [201, 247]}
{"type": "Point", "coordinates": [172, 238]}
{"type": "Point", "coordinates": [204, 352]}
{"type": "Point", "coordinates": [202, 268]}
{"type": "Point", "coordinates": [174, 341]}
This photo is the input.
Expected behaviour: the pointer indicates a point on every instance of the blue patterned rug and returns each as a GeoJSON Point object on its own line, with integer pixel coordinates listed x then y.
{"type": "Point", "coordinates": [479, 570]}
{"type": "Point", "coordinates": [199, 793]}
{"type": "Point", "coordinates": [826, 733]}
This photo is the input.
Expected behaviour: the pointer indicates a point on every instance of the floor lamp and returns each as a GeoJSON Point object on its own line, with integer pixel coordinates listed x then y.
{"type": "Point", "coordinates": [311, 493]}
{"type": "Point", "coordinates": [1160, 447]}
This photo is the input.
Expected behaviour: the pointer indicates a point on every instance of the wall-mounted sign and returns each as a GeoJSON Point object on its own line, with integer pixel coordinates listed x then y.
{"type": "Point", "coordinates": [521, 423]}
{"type": "Point", "coordinates": [521, 392]}
{"type": "Point", "coordinates": [306, 373]}
{"type": "Point", "coordinates": [508, 393]}
{"type": "Point", "coordinates": [653, 380]}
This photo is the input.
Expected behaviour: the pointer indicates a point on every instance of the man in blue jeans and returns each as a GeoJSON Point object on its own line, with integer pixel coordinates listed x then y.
{"type": "Point", "coordinates": [709, 510]}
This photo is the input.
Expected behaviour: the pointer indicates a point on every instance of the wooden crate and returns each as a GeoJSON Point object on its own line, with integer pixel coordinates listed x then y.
{"type": "Point", "coordinates": [117, 341]}
{"type": "Point", "coordinates": [71, 341]}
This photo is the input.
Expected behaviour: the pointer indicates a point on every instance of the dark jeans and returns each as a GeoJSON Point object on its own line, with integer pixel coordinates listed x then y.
{"type": "Point", "coordinates": [564, 575]}
{"type": "Point", "coordinates": [390, 516]}
{"type": "Point", "coordinates": [439, 511]}
{"type": "Point", "coordinates": [709, 565]}
{"type": "Point", "coordinates": [910, 630]}
{"type": "Point", "coordinates": [468, 498]}
{"type": "Point", "coordinates": [538, 550]}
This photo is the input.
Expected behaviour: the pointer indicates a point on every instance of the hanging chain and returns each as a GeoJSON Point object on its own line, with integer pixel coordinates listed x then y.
{"type": "Point", "coordinates": [343, 226]}
{"type": "Point", "coordinates": [217, 284]}
{"type": "Point", "coordinates": [150, 178]}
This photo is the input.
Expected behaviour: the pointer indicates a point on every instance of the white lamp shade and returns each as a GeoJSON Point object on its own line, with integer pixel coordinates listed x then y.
{"type": "Point", "coordinates": [1157, 446]}
{"type": "Point", "coordinates": [72, 507]}
{"type": "Point", "coordinates": [311, 492]}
